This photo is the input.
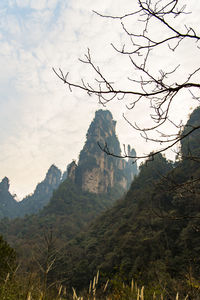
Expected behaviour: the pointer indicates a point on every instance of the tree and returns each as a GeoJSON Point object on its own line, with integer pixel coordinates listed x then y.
{"type": "Point", "coordinates": [8, 259]}
{"type": "Point", "coordinates": [159, 86]}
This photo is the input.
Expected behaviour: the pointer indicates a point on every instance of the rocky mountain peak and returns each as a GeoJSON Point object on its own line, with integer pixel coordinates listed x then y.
{"type": "Point", "coordinates": [4, 184]}
{"type": "Point", "coordinates": [71, 170]}
{"type": "Point", "coordinates": [97, 172]}
{"type": "Point", "coordinates": [106, 117]}
{"type": "Point", "coordinates": [43, 192]}
{"type": "Point", "coordinates": [53, 175]}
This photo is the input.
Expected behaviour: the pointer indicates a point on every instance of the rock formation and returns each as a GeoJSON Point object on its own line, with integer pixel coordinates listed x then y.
{"type": "Point", "coordinates": [8, 205]}
{"type": "Point", "coordinates": [96, 171]}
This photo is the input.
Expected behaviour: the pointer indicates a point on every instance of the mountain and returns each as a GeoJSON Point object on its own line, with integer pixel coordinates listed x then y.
{"type": "Point", "coordinates": [151, 235]}
{"type": "Point", "coordinates": [31, 204]}
{"type": "Point", "coordinates": [97, 172]}
{"type": "Point", "coordinates": [92, 186]}
{"type": "Point", "coordinates": [42, 194]}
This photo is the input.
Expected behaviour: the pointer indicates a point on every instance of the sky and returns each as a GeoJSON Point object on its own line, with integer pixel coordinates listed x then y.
{"type": "Point", "coordinates": [41, 121]}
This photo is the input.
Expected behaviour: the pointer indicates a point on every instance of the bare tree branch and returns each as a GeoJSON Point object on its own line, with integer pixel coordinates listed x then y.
{"type": "Point", "coordinates": [159, 90]}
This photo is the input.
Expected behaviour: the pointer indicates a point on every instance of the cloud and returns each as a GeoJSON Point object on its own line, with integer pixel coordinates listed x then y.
{"type": "Point", "coordinates": [41, 122]}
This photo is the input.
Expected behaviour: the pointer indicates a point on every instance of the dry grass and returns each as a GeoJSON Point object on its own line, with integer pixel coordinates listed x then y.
{"type": "Point", "coordinates": [12, 289]}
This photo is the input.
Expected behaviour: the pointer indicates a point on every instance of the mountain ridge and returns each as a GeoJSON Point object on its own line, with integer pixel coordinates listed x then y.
{"type": "Point", "coordinates": [95, 172]}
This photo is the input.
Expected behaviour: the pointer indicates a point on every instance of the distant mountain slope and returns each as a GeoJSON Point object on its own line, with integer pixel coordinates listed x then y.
{"type": "Point", "coordinates": [31, 204]}
{"type": "Point", "coordinates": [42, 194]}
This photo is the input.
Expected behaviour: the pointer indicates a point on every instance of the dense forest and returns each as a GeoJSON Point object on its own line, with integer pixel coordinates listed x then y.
{"type": "Point", "coordinates": [150, 236]}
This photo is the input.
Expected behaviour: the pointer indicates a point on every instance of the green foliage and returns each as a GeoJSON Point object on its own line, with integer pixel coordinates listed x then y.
{"type": "Point", "coordinates": [145, 236]}
{"type": "Point", "coordinates": [7, 259]}
{"type": "Point", "coordinates": [69, 211]}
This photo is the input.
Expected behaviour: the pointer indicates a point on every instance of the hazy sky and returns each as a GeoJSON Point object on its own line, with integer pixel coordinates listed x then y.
{"type": "Point", "coordinates": [41, 121]}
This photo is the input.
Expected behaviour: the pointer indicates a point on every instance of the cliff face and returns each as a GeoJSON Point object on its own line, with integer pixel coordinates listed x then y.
{"type": "Point", "coordinates": [96, 171]}
{"type": "Point", "coordinates": [190, 144]}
